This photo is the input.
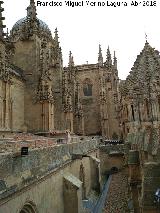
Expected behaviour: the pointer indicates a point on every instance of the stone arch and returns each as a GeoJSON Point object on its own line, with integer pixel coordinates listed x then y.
{"type": "Point", "coordinates": [87, 87]}
{"type": "Point", "coordinates": [114, 169]}
{"type": "Point", "coordinates": [82, 178]}
{"type": "Point", "coordinates": [29, 207]}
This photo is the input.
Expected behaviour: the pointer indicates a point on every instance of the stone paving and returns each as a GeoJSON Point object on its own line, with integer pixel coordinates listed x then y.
{"type": "Point", "coordinates": [117, 195]}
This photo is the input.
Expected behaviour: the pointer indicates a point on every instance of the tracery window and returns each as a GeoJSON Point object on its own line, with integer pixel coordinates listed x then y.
{"type": "Point", "coordinates": [87, 87]}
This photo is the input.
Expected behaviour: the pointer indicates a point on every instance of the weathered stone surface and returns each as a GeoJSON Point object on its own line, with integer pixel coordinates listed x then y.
{"type": "Point", "coordinates": [21, 171]}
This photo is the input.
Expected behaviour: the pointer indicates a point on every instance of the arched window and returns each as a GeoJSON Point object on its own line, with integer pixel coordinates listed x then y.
{"type": "Point", "coordinates": [87, 87]}
{"type": "Point", "coordinates": [28, 208]}
{"type": "Point", "coordinates": [132, 108]}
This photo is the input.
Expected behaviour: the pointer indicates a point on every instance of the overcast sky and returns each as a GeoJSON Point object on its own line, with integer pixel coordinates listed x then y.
{"type": "Point", "coordinates": [82, 29]}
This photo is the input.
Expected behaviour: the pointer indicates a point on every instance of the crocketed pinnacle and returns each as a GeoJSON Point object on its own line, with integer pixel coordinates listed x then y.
{"type": "Point", "coordinates": [100, 57]}
{"type": "Point", "coordinates": [108, 59]}
{"type": "Point", "coordinates": [71, 60]}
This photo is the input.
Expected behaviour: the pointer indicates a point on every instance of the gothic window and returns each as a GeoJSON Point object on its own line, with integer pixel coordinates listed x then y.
{"type": "Point", "coordinates": [132, 113]}
{"type": "Point", "coordinates": [87, 87]}
{"type": "Point", "coordinates": [159, 102]}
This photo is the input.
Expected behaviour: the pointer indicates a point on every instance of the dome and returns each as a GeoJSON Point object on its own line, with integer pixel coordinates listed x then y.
{"type": "Point", "coordinates": [42, 26]}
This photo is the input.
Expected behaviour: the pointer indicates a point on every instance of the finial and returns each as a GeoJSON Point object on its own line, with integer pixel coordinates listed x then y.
{"type": "Point", "coordinates": [100, 57]}
{"type": "Point", "coordinates": [146, 38]}
{"type": "Point", "coordinates": [71, 60]}
{"type": "Point", "coordinates": [1, 21]}
{"type": "Point", "coordinates": [109, 58]}
{"type": "Point", "coordinates": [31, 10]}
{"type": "Point", "coordinates": [115, 60]}
{"type": "Point", "coordinates": [56, 35]}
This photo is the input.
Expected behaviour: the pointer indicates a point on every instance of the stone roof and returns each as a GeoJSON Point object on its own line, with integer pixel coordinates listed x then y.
{"type": "Point", "coordinates": [146, 68]}
{"type": "Point", "coordinates": [24, 23]}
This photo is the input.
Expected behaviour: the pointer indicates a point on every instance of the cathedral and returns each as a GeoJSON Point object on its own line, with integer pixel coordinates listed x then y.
{"type": "Point", "coordinates": [38, 94]}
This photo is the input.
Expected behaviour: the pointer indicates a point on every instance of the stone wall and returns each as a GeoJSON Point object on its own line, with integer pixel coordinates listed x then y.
{"type": "Point", "coordinates": [90, 104]}
{"type": "Point", "coordinates": [18, 105]}
{"type": "Point", "coordinates": [112, 156]}
{"type": "Point", "coordinates": [12, 105]}
{"type": "Point", "coordinates": [39, 177]}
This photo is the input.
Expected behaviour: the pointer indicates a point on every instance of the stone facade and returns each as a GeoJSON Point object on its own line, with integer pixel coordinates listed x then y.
{"type": "Point", "coordinates": [140, 123]}
{"type": "Point", "coordinates": [39, 95]}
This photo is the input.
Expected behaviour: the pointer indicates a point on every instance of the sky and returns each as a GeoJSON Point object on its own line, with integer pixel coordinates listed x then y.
{"type": "Point", "coordinates": [82, 28]}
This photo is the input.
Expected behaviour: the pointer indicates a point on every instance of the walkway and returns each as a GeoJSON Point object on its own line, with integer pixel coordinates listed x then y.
{"type": "Point", "coordinates": [116, 201]}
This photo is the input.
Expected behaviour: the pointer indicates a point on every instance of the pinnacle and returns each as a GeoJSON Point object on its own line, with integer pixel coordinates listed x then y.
{"type": "Point", "coordinates": [56, 34]}
{"type": "Point", "coordinates": [1, 20]}
{"type": "Point", "coordinates": [31, 10]}
{"type": "Point", "coordinates": [100, 57]}
{"type": "Point", "coordinates": [109, 58]}
{"type": "Point", "coordinates": [71, 60]}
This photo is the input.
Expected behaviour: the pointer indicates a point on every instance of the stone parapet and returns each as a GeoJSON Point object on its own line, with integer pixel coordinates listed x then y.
{"type": "Point", "coordinates": [17, 172]}
{"type": "Point", "coordinates": [119, 148]}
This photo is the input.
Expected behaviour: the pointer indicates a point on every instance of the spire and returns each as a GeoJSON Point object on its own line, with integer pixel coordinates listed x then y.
{"type": "Point", "coordinates": [71, 60]}
{"type": "Point", "coordinates": [31, 10]}
{"type": "Point", "coordinates": [100, 57]}
{"type": "Point", "coordinates": [108, 59]}
{"type": "Point", "coordinates": [115, 60]}
{"type": "Point", "coordinates": [1, 21]}
{"type": "Point", "coordinates": [56, 35]}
